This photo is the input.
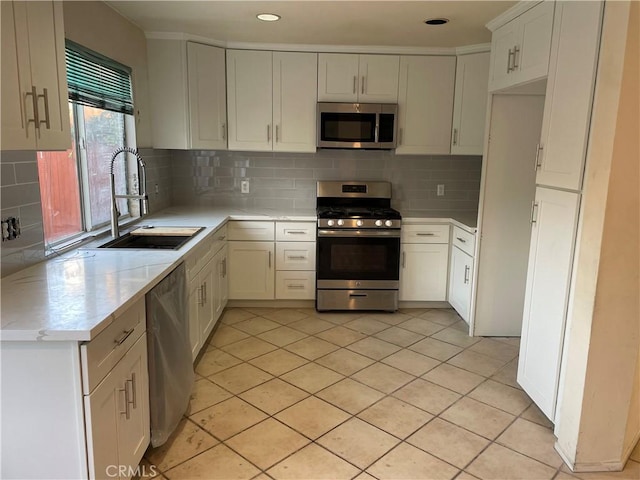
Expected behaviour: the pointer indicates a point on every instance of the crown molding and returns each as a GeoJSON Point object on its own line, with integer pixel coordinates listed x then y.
{"type": "Point", "coordinates": [515, 11]}
{"type": "Point", "coordinates": [290, 47]}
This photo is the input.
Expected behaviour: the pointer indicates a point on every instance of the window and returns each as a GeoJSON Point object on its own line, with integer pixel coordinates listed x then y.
{"type": "Point", "coordinates": [74, 185]}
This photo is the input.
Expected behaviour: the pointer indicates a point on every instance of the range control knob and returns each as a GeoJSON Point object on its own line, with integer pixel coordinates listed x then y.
{"type": "Point", "coordinates": [378, 223]}
{"type": "Point", "coordinates": [340, 222]}
{"type": "Point", "coordinates": [330, 223]}
{"type": "Point", "coordinates": [359, 223]}
{"type": "Point", "coordinates": [388, 223]}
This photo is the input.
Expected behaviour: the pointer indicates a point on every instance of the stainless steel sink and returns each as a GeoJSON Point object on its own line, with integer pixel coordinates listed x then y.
{"type": "Point", "coordinates": [150, 241]}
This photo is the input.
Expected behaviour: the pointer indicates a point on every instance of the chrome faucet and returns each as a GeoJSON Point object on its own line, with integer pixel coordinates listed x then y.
{"type": "Point", "coordinates": [142, 185]}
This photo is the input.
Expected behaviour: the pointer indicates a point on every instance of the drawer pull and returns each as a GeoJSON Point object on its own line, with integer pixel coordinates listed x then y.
{"type": "Point", "coordinates": [296, 257]}
{"type": "Point", "coordinates": [461, 240]}
{"type": "Point", "coordinates": [222, 237]}
{"type": "Point", "coordinates": [126, 412]}
{"type": "Point", "coordinates": [357, 294]}
{"type": "Point", "coordinates": [295, 287]}
{"type": "Point", "coordinates": [122, 338]}
{"type": "Point", "coordinates": [133, 390]}
{"type": "Point", "coordinates": [467, 268]}
{"type": "Point", "coordinates": [295, 232]}
{"type": "Point", "coordinates": [429, 234]}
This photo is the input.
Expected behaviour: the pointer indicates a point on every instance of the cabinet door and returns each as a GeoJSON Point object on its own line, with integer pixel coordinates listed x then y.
{"type": "Point", "coordinates": [33, 62]}
{"type": "Point", "coordinates": [502, 42]}
{"type": "Point", "coordinates": [423, 272]}
{"type": "Point", "coordinates": [378, 78]}
{"type": "Point", "coordinates": [134, 431]}
{"type": "Point", "coordinates": [460, 275]}
{"type": "Point", "coordinates": [295, 88]}
{"type": "Point", "coordinates": [567, 109]}
{"type": "Point", "coordinates": [194, 300]}
{"type": "Point", "coordinates": [17, 103]}
{"type": "Point", "coordinates": [545, 305]}
{"type": "Point", "coordinates": [207, 96]}
{"type": "Point", "coordinates": [102, 411]}
{"type": "Point", "coordinates": [425, 104]}
{"type": "Point", "coordinates": [532, 60]}
{"type": "Point", "coordinates": [337, 77]}
{"type": "Point", "coordinates": [206, 312]}
{"type": "Point", "coordinates": [470, 104]}
{"type": "Point", "coordinates": [249, 100]}
{"type": "Point", "coordinates": [251, 270]}
{"type": "Point", "coordinates": [49, 74]}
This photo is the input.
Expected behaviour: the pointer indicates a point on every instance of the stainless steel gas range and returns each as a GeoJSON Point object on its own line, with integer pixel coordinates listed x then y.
{"type": "Point", "coordinates": [358, 247]}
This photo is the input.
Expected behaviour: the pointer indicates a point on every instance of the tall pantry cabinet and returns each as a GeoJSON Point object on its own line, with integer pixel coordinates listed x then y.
{"type": "Point", "coordinates": [559, 165]}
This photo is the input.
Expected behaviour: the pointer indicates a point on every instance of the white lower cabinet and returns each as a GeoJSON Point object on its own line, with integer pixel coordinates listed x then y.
{"type": "Point", "coordinates": [251, 270]}
{"type": "Point", "coordinates": [296, 285]}
{"type": "Point", "coordinates": [553, 233]}
{"type": "Point", "coordinates": [117, 413]}
{"type": "Point", "coordinates": [424, 262]}
{"type": "Point", "coordinates": [460, 278]}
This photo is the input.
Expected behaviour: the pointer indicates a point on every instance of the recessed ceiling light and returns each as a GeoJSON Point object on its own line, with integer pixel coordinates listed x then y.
{"type": "Point", "coordinates": [436, 21]}
{"type": "Point", "coordinates": [268, 17]}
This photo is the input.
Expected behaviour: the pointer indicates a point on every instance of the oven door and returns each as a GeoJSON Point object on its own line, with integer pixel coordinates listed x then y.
{"type": "Point", "coordinates": [363, 259]}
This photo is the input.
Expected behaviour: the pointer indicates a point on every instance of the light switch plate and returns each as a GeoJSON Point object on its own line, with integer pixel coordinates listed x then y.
{"type": "Point", "coordinates": [440, 190]}
{"type": "Point", "coordinates": [244, 186]}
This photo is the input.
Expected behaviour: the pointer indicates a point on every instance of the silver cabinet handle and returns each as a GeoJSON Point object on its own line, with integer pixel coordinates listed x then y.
{"type": "Point", "coordinates": [269, 259]}
{"type": "Point", "coordinates": [277, 133]}
{"type": "Point", "coordinates": [126, 412]}
{"type": "Point", "coordinates": [224, 131]}
{"type": "Point", "coordinates": [224, 268]}
{"type": "Point", "coordinates": [355, 79]}
{"type": "Point", "coordinates": [467, 269]}
{"type": "Point", "coordinates": [133, 390]}
{"type": "Point", "coordinates": [34, 100]}
{"type": "Point", "coordinates": [204, 294]}
{"type": "Point", "coordinates": [296, 257]}
{"type": "Point", "coordinates": [45, 97]}
{"type": "Point", "coordinates": [268, 132]}
{"type": "Point", "coordinates": [509, 61]}
{"type": "Point", "coordinates": [295, 232]}
{"type": "Point", "coordinates": [363, 83]}
{"type": "Point", "coordinates": [427, 234]}
{"type": "Point", "coordinates": [200, 296]}
{"type": "Point", "coordinates": [461, 240]}
{"type": "Point", "coordinates": [455, 136]}
{"type": "Point", "coordinates": [404, 257]}
{"type": "Point", "coordinates": [534, 205]}
{"type": "Point", "coordinates": [120, 340]}
{"type": "Point", "coordinates": [222, 237]}
{"type": "Point", "coordinates": [295, 287]}
{"type": "Point", "coordinates": [539, 148]}
{"type": "Point", "coordinates": [516, 51]}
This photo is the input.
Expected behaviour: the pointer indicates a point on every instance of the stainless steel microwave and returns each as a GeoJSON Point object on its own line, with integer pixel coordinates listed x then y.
{"type": "Point", "coordinates": [357, 125]}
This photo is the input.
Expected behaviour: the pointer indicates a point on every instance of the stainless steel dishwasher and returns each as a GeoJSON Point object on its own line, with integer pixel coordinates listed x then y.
{"type": "Point", "coordinates": [171, 374]}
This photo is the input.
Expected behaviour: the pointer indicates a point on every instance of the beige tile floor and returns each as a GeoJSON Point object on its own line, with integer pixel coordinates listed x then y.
{"type": "Point", "coordinates": [294, 394]}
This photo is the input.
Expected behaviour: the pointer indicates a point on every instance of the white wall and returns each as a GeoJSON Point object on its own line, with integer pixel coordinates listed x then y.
{"type": "Point", "coordinates": [102, 29]}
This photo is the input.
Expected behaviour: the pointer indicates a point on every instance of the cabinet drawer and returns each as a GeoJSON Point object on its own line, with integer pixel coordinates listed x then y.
{"type": "Point", "coordinates": [102, 353]}
{"type": "Point", "coordinates": [295, 256]}
{"type": "Point", "coordinates": [198, 258]}
{"type": "Point", "coordinates": [250, 230]}
{"type": "Point", "coordinates": [219, 239]}
{"type": "Point", "coordinates": [296, 285]}
{"type": "Point", "coordinates": [464, 240]}
{"type": "Point", "coordinates": [295, 231]}
{"type": "Point", "coordinates": [425, 234]}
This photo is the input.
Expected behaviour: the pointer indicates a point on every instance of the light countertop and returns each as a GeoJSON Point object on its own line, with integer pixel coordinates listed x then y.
{"type": "Point", "coordinates": [76, 295]}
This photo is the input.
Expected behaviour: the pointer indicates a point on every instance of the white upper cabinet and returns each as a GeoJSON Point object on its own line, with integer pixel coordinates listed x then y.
{"type": "Point", "coordinates": [271, 100]}
{"type": "Point", "coordinates": [425, 104]}
{"type": "Point", "coordinates": [568, 100]}
{"type": "Point", "coordinates": [35, 111]}
{"type": "Point", "coordinates": [357, 78]}
{"type": "Point", "coordinates": [520, 48]}
{"type": "Point", "coordinates": [207, 96]}
{"type": "Point", "coordinates": [294, 101]}
{"type": "Point", "coordinates": [187, 93]}
{"type": "Point", "coordinates": [470, 104]}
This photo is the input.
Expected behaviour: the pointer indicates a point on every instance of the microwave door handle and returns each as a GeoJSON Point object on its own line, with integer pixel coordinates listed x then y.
{"type": "Point", "coordinates": [377, 129]}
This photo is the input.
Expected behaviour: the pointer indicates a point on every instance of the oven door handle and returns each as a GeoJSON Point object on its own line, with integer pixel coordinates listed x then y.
{"type": "Point", "coordinates": [359, 233]}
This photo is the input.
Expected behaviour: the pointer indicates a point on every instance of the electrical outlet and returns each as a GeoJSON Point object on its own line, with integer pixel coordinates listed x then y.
{"type": "Point", "coordinates": [244, 186]}
{"type": "Point", "coordinates": [440, 190]}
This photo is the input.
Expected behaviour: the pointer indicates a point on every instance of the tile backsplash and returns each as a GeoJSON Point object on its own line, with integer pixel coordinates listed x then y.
{"type": "Point", "coordinates": [288, 180]}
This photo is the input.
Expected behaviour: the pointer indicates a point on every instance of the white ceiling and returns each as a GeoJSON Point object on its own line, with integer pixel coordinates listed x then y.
{"type": "Point", "coordinates": [370, 23]}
